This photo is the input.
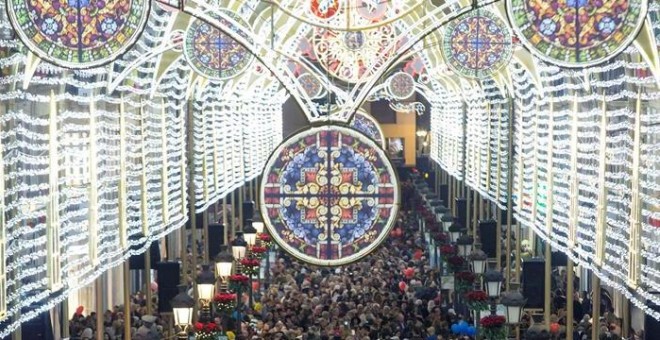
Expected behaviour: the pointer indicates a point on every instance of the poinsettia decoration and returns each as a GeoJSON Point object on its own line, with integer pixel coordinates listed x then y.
{"type": "Point", "coordinates": [258, 251]}
{"type": "Point", "coordinates": [455, 263]}
{"type": "Point", "coordinates": [206, 331]}
{"type": "Point", "coordinates": [464, 281]}
{"type": "Point", "coordinates": [447, 250]}
{"type": "Point", "coordinates": [238, 281]}
{"type": "Point", "coordinates": [477, 300]}
{"type": "Point", "coordinates": [224, 302]}
{"type": "Point", "coordinates": [265, 239]}
{"type": "Point", "coordinates": [492, 327]}
{"type": "Point", "coordinates": [250, 266]}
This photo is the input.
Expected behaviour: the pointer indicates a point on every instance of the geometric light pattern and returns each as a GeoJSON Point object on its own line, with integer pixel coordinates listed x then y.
{"type": "Point", "coordinates": [329, 195]}
{"type": "Point", "coordinates": [577, 33]}
{"type": "Point", "coordinates": [368, 125]}
{"type": "Point", "coordinates": [352, 56]}
{"type": "Point", "coordinates": [214, 54]}
{"type": "Point", "coordinates": [477, 45]}
{"type": "Point", "coordinates": [78, 33]}
{"type": "Point", "coordinates": [401, 85]}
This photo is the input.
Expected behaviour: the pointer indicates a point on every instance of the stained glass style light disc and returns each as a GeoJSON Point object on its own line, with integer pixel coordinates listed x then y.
{"type": "Point", "coordinates": [576, 33]}
{"type": "Point", "coordinates": [324, 9]}
{"type": "Point", "coordinates": [401, 85]}
{"type": "Point", "coordinates": [311, 85]}
{"type": "Point", "coordinates": [329, 195]}
{"type": "Point", "coordinates": [78, 34]}
{"type": "Point", "coordinates": [214, 54]}
{"type": "Point", "coordinates": [477, 44]}
{"type": "Point", "coordinates": [368, 125]}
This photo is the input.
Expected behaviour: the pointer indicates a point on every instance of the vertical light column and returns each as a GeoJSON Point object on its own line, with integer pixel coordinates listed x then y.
{"type": "Point", "coordinates": [601, 214]}
{"type": "Point", "coordinates": [521, 176]}
{"type": "Point", "coordinates": [574, 184]}
{"type": "Point", "coordinates": [184, 194]}
{"type": "Point", "coordinates": [144, 198]}
{"type": "Point", "coordinates": [548, 215]}
{"type": "Point", "coordinates": [123, 192]}
{"type": "Point", "coordinates": [164, 180]}
{"type": "Point", "coordinates": [635, 244]}
{"type": "Point", "coordinates": [191, 199]}
{"type": "Point", "coordinates": [225, 234]}
{"type": "Point", "coordinates": [509, 199]}
{"type": "Point", "coordinates": [53, 222]}
{"type": "Point", "coordinates": [93, 188]}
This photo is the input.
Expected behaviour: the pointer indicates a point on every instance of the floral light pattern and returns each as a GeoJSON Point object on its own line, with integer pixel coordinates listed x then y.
{"type": "Point", "coordinates": [577, 33]}
{"type": "Point", "coordinates": [214, 54]}
{"type": "Point", "coordinates": [477, 44]}
{"type": "Point", "coordinates": [329, 195]}
{"type": "Point", "coordinates": [78, 33]}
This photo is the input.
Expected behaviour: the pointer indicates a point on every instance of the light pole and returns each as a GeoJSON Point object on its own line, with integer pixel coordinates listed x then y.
{"type": "Point", "coordinates": [478, 260]}
{"type": "Point", "coordinates": [224, 263]}
{"type": "Point", "coordinates": [182, 308]}
{"type": "Point", "coordinates": [238, 249]}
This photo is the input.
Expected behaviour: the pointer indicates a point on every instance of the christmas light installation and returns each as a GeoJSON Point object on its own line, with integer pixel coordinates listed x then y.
{"type": "Point", "coordinates": [576, 33]}
{"type": "Point", "coordinates": [477, 44]}
{"type": "Point", "coordinates": [214, 54]}
{"type": "Point", "coordinates": [369, 126]}
{"type": "Point", "coordinates": [78, 34]}
{"type": "Point", "coordinates": [329, 195]}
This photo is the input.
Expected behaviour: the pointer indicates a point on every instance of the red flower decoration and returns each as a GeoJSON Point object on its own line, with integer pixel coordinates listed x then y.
{"type": "Point", "coordinates": [247, 262]}
{"type": "Point", "coordinates": [258, 249]}
{"type": "Point", "coordinates": [210, 327]}
{"type": "Point", "coordinates": [456, 261]}
{"type": "Point", "coordinates": [476, 296]}
{"type": "Point", "coordinates": [239, 278]}
{"type": "Point", "coordinates": [199, 326]}
{"type": "Point", "coordinates": [447, 250]}
{"type": "Point", "coordinates": [264, 237]}
{"type": "Point", "coordinates": [224, 298]}
{"type": "Point", "coordinates": [492, 321]}
{"type": "Point", "coordinates": [466, 277]}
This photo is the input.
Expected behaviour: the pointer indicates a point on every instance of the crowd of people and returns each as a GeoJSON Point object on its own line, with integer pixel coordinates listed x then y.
{"type": "Point", "coordinates": [143, 326]}
{"type": "Point", "coordinates": [394, 293]}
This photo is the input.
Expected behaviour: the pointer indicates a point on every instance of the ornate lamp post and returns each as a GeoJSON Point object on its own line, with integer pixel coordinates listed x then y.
{"type": "Point", "coordinates": [182, 308]}
{"type": "Point", "coordinates": [464, 243]}
{"type": "Point", "coordinates": [259, 226]}
{"type": "Point", "coordinates": [224, 263]}
{"type": "Point", "coordinates": [447, 221]}
{"type": "Point", "coordinates": [478, 260]}
{"type": "Point", "coordinates": [493, 282]}
{"type": "Point", "coordinates": [205, 290]}
{"type": "Point", "coordinates": [455, 231]}
{"type": "Point", "coordinates": [238, 247]}
{"type": "Point", "coordinates": [513, 302]}
{"type": "Point", "coordinates": [250, 234]}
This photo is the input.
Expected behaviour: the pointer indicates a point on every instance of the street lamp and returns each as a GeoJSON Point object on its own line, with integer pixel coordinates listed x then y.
{"type": "Point", "coordinates": [182, 308]}
{"type": "Point", "coordinates": [224, 262]}
{"type": "Point", "coordinates": [440, 212]}
{"type": "Point", "coordinates": [478, 259]}
{"type": "Point", "coordinates": [205, 283]}
{"type": "Point", "coordinates": [455, 231]}
{"type": "Point", "coordinates": [464, 243]}
{"type": "Point", "coordinates": [205, 290]}
{"type": "Point", "coordinates": [493, 281]}
{"type": "Point", "coordinates": [250, 234]}
{"type": "Point", "coordinates": [446, 220]}
{"type": "Point", "coordinates": [513, 306]}
{"type": "Point", "coordinates": [238, 247]}
{"type": "Point", "coordinates": [259, 226]}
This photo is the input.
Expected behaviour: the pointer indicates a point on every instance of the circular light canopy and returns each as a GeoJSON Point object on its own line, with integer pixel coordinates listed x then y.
{"type": "Point", "coordinates": [78, 34]}
{"type": "Point", "coordinates": [576, 33]}
{"type": "Point", "coordinates": [329, 195]}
